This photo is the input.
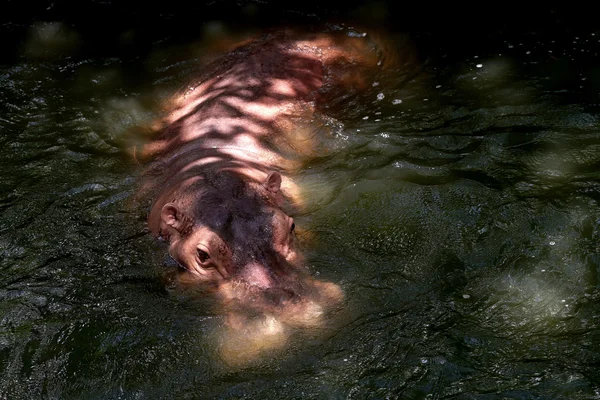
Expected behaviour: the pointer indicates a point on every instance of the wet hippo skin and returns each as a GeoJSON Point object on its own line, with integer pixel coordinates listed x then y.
{"type": "Point", "coordinates": [218, 171]}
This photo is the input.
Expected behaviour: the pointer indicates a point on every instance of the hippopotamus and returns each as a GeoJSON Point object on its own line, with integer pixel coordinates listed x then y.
{"type": "Point", "coordinates": [219, 170]}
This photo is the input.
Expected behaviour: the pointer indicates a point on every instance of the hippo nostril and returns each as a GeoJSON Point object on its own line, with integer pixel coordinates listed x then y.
{"type": "Point", "coordinates": [276, 296]}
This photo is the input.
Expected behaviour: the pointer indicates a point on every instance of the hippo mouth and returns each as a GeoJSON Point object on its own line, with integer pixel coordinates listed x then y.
{"type": "Point", "coordinates": [296, 299]}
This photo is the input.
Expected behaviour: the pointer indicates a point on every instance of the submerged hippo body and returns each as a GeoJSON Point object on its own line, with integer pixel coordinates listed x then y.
{"type": "Point", "coordinates": [218, 170]}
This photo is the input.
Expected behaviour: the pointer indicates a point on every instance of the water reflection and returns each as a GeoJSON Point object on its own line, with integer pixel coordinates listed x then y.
{"type": "Point", "coordinates": [461, 218]}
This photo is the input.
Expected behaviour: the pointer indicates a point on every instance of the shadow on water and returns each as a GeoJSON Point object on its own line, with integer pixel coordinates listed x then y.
{"type": "Point", "coordinates": [458, 209]}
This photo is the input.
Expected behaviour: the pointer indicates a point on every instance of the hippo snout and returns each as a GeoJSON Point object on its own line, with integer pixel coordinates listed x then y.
{"type": "Point", "coordinates": [257, 275]}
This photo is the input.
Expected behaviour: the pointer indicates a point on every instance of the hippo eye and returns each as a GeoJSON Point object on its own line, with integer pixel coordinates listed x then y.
{"type": "Point", "coordinates": [202, 255]}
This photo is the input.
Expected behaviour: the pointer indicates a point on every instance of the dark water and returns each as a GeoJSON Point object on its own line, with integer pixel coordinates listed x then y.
{"type": "Point", "coordinates": [458, 208]}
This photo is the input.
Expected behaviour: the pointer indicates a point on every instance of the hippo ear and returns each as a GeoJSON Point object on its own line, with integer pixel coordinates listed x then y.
{"type": "Point", "coordinates": [170, 216]}
{"type": "Point", "coordinates": [273, 182]}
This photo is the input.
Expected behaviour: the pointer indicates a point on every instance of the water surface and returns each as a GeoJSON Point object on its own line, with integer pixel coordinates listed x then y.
{"type": "Point", "coordinates": [457, 207]}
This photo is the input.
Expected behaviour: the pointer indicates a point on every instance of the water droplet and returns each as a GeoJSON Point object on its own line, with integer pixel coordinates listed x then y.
{"type": "Point", "coordinates": [479, 65]}
{"type": "Point", "coordinates": [396, 101]}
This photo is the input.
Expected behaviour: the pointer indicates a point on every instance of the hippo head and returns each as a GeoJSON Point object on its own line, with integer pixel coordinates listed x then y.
{"type": "Point", "coordinates": [230, 232]}
{"type": "Point", "coordinates": [221, 227]}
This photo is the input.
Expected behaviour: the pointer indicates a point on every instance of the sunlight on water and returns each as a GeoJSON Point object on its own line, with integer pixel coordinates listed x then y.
{"type": "Point", "coordinates": [533, 299]}
{"type": "Point", "coordinates": [495, 70]}
{"type": "Point", "coordinates": [51, 39]}
{"type": "Point", "coordinates": [548, 290]}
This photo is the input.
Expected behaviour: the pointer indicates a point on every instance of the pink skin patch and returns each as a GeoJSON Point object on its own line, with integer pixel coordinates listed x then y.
{"type": "Point", "coordinates": [283, 87]}
{"type": "Point", "coordinates": [256, 275]}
